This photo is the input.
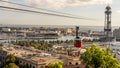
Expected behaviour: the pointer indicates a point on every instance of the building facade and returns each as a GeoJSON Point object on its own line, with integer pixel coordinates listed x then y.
{"type": "Point", "coordinates": [116, 33]}
{"type": "Point", "coordinates": [30, 57]}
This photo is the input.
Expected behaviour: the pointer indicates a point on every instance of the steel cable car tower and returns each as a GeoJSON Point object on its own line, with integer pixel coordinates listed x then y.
{"type": "Point", "coordinates": [107, 26]}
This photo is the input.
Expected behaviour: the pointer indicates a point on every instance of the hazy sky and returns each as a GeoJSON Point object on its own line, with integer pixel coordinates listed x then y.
{"type": "Point", "coordinates": [83, 8]}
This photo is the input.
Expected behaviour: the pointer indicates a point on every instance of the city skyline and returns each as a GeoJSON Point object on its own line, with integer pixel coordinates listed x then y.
{"type": "Point", "coordinates": [84, 8]}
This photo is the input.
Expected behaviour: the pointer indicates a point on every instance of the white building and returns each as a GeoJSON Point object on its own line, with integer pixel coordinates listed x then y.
{"type": "Point", "coordinates": [6, 29]}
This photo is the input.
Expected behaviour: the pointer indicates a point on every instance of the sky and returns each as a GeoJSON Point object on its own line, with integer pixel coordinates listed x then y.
{"type": "Point", "coordinates": [83, 8]}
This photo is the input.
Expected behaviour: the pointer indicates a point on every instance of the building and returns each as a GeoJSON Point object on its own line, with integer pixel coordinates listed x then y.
{"type": "Point", "coordinates": [34, 58]}
{"type": "Point", "coordinates": [116, 34]}
{"type": "Point", "coordinates": [72, 62]}
{"type": "Point", "coordinates": [31, 57]}
{"type": "Point", "coordinates": [6, 29]}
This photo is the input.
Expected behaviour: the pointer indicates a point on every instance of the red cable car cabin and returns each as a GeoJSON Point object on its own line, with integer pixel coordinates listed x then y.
{"type": "Point", "coordinates": [77, 41]}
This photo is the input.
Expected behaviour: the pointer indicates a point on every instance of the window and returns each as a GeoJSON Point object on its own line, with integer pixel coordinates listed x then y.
{"type": "Point", "coordinates": [70, 63]}
{"type": "Point", "coordinates": [33, 66]}
{"type": "Point", "coordinates": [76, 63]}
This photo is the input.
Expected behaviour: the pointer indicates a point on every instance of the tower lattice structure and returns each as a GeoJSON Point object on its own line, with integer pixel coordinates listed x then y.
{"type": "Point", "coordinates": [107, 26]}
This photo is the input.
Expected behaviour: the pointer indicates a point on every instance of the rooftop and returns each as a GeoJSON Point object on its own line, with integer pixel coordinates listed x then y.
{"type": "Point", "coordinates": [30, 54]}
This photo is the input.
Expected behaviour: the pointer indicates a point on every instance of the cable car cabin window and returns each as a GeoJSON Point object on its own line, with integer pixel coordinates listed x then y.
{"type": "Point", "coordinates": [77, 43]}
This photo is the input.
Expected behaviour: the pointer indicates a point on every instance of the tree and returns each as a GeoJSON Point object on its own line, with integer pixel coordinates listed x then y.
{"type": "Point", "coordinates": [22, 65]}
{"type": "Point", "coordinates": [10, 59]}
{"type": "Point", "coordinates": [11, 65]}
{"type": "Point", "coordinates": [54, 65]}
{"type": "Point", "coordinates": [95, 57]}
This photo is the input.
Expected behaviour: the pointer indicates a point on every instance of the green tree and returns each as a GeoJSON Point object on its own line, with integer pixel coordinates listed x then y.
{"type": "Point", "coordinates": [22, 65]}
{"type": "Point", "coordinates": [55, 65]}
{"type": "Point", "coordinates": [69, 51]}
{"type": "Point", "coordinates": [96, 57]}
{"type": "Point", "coordinates": [10, 59]}
{"type": "Point", "coordinates": [11, 65]}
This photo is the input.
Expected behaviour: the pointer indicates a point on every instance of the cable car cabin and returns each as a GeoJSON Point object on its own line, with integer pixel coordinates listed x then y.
{"type": "Point", "coordinates": [77, 43]}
